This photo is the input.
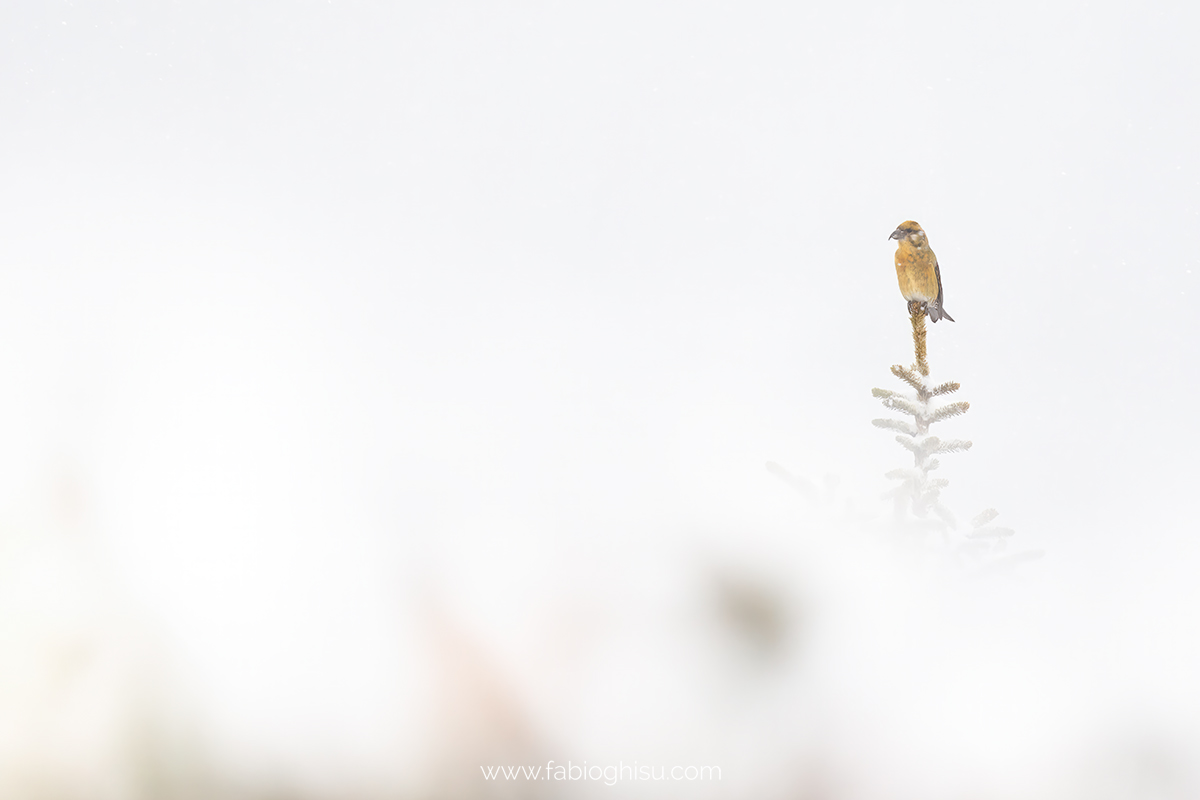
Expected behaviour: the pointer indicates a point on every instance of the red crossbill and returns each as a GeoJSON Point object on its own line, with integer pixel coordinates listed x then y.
{"type": "Point", "coordinates": [918, 271]}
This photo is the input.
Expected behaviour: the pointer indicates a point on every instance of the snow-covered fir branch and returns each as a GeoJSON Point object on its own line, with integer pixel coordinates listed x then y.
{"type": "Point", "coordinates": [916, 499]}
{"type": "Point", "coordinates": [919, 516]}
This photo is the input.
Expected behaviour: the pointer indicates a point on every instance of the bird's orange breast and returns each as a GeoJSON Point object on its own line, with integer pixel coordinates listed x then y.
{"type": "Point", "coordinates": [915, 270]}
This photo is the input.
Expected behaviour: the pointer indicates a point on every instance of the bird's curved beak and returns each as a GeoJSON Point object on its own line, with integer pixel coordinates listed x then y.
{"type": "Point", "coordinates": [897, 234]}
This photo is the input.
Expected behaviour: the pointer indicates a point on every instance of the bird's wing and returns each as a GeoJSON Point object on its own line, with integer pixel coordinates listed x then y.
{"type": "Point", "coordinates": [937, 271]}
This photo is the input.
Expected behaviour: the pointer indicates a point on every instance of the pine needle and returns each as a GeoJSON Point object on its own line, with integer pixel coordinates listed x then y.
{"type": "Point", "coordinates": [895, 425]}
{"type": "Point", "coordinates": [984, 517]}
{"type": "Point", "coordinates": [898, 403]}
{"type": "Point", "coordinates": [909, 376]}
{"type": "Point", "coordinates": [949, 410]}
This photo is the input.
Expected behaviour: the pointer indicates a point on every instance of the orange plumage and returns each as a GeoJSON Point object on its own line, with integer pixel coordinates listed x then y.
{"type": "Point", "coordinates": [918, 271]}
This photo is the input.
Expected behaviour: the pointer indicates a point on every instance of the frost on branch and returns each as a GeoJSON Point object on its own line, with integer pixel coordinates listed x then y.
{"type": "Point", "coordinates": [918, 494]}
{"type": "Point", "coordinates": [918, 513]}
{"type": "Point", "coordinates": [916, 498]}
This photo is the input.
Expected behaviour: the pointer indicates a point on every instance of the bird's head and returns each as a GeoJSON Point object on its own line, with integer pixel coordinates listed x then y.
{"type": "Point", "coordinates": [909, 232]}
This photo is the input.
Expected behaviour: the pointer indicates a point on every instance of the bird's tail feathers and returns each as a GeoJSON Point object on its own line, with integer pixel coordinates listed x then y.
{"type": "Point", "coordinates": [936, 312]}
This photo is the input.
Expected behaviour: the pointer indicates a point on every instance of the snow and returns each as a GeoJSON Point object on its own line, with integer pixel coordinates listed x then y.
{"type": "Point", "coordinates": [415, 370]}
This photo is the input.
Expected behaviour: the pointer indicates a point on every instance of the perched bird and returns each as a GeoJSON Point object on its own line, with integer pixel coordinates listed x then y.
{"type": "Point", "coordinates": [918, 271]}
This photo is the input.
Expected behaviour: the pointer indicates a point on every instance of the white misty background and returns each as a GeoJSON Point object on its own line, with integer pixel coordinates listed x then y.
{"type": "Point", "coordinates": [387, 388]}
